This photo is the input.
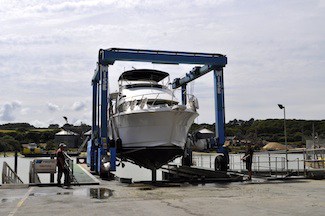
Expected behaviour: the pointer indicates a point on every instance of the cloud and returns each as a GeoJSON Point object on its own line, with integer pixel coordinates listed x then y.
{"type": "Point", "coordinates": [7, 111]}
{"type": "Point", "coordinates": [38, 123]}
{"type": "Point", "coordinates": [275, 52]}
{"type": "Point", "coordinates": [53, 107]}
{"type": "Point", "coordinates": [78, 106]}
{"type": "Point", "coordinates": [25, 111]}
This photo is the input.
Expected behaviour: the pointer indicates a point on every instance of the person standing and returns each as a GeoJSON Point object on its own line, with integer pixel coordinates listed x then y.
{"type": "Point", "coordinates": [60, 162]}
{"type": "Point", "coordinates": [248, 158]}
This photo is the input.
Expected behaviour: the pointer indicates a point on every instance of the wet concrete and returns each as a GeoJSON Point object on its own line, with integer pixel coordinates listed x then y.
{"type": "Point", "coordinates": [299, 197]}
{"type": "Point", "coordinates": [100, 193]}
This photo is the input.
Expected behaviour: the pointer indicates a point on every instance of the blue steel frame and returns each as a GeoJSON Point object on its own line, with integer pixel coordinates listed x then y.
{"type": "Point", "coordinates": [107, 57]}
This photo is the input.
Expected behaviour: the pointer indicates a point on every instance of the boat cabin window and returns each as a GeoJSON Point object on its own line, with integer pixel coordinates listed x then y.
{"type": "Point", "coordinates": [162, 102]}
{"type": "Point", "coordinates": [140, 85]}
{"type": "Point", "coordinates": [152, 102]}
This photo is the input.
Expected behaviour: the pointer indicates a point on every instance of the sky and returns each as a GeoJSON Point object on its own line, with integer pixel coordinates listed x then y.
{"type": "Point", "coordinates": [275, 51]}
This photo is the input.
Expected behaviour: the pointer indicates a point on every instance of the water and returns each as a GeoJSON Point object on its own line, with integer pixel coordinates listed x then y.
{"type": "Point", "coordinates": [22, 168]}
{"type": "Point", "coordinates": [100, 193]}
{"type": "Point", "coordinates": [135, 172]}
{"type": "Point", "coordinates": [94, 193]}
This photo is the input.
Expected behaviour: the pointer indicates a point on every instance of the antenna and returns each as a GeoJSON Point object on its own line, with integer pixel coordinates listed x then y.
{"type": "Point", "coordinates": [66, 119]}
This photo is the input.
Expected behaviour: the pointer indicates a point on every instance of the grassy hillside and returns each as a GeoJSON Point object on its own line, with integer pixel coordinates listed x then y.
{"type": "Point", "coordinates": [272, 130]}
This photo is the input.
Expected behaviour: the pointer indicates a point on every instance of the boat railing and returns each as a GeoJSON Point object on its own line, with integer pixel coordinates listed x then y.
{"type": "Point", "coordinates": [9, 176]}
{"type": "Point", "coordinates": [83, 145]}
{"type": "Point", "coordinates": [190, 98]}
{"type": "Point", "coordinates": [155, 99]}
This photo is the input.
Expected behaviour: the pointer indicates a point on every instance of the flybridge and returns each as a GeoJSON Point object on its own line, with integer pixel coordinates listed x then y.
{"type": "Point", "coordinates": [207, 62]}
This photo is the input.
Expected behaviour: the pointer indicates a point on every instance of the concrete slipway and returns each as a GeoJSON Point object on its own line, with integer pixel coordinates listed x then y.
{"type": "Point", "coordinates": [294, 197]}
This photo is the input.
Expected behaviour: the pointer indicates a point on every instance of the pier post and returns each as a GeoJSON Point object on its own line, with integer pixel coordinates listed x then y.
{"type": "Point", "coordinates": [305, 171]}
{"type": "Point", "coordinates": [16, 161]}
{"type": "Point", "coordinates": [270, 168]}
{"type": "Point", "coordinates": [52, 174]}
{"type": "Point", "coordinates": [154, 175]}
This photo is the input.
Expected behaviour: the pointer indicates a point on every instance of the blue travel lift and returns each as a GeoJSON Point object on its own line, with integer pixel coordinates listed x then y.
{"type": "Point", "coordinates": [100, 145]}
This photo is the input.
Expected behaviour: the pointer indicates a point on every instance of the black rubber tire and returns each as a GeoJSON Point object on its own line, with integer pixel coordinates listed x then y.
{"type": "Point", "coordinates": [112, 143]}
{"type": "Point", "coordinates": [220, 163]}
{"type": "Point", "coordinates": [187, 158]}
{"type": "Point", "coordinates": [118, 145]}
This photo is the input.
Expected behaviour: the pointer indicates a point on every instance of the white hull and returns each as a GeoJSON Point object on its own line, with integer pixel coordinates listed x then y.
{"type": "Point", "coordinates": [164, 127]}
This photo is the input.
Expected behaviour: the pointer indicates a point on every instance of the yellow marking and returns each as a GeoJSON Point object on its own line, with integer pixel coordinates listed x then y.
{"type": "Point", "coordinates": [21, 202]}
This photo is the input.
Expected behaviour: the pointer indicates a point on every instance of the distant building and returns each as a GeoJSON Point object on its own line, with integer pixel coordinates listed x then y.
{"type": "Point", "coordinates": [202, 139]}
{"type": "Point", "coordinates": [71, 139]}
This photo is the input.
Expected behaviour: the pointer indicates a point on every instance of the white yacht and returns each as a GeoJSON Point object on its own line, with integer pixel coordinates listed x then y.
{"type": "Point", "coordinates": [148, 118]}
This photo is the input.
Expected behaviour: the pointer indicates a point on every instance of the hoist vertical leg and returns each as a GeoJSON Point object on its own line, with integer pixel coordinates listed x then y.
{"type": "Point", "coordinates": [103, 70]}
{"type": "Point", "coordinates": [94, 127]}
{"type": "Point", "coordinates": [219, 106]}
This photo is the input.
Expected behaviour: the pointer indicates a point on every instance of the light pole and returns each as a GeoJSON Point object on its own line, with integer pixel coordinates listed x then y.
{"type": "Point", "coordinates": [285, 133]}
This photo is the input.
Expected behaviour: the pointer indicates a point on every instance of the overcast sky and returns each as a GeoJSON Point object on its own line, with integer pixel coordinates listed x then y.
{"type": "Point", "coordinates": [275, 50]}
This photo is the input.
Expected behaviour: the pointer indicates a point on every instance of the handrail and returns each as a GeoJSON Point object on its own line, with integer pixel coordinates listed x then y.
{"type": "Point", "coordinates": [82, 145]}
{"type": "Point", "coordinates": [68, 163]}
{"type": "Point", "coordinates": [172, 99]}
{"type": "Point", "coordinates": [9, 176]}
{"type": "Point", "coordinates": [155, 99]}
{"type": "Point", "coordinates": [33, 176]}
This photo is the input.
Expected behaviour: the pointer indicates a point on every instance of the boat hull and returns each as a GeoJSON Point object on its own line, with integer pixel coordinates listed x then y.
{"type": "Point", "coordinates": [152, 138]}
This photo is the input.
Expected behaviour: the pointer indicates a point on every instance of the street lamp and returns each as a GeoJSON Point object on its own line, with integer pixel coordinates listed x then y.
{"type": "Point", "coordinates": [285, 132]}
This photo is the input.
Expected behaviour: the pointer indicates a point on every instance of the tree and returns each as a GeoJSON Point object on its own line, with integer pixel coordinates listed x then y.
{"type": "Point", "coordinates": [8, 143]}
{"type": "Point", "coordinates": [50, 145]}
{"type": "Point", "coordinates": [54, 126]}
{"type": "Point", "coordinates": [34, 136]}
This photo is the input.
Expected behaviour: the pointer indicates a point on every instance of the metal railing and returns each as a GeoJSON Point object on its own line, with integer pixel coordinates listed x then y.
{"type": "Point", "coordinates": [271, 163]}
{"type": "Point", "coordinates": [9, 176]}
{"type": "Point", "coordinates": [315, 158]}
{"type": "Point", "coordinates": [137, 99]}
{"type": "Point", "coordinates": [33, 175]}
{"type": "Point", "coordinates": [68, 163]}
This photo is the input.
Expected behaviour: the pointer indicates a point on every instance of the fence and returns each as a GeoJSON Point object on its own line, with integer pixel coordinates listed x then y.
{"type": "Point", "coordinates": [271, 163]}
{"type": "Point", "coordinates": [9, 176]}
